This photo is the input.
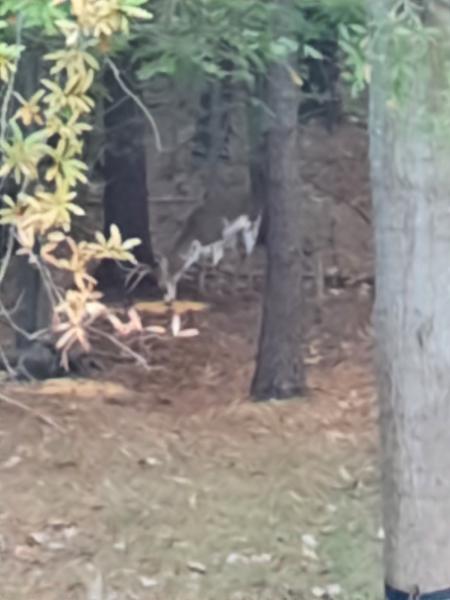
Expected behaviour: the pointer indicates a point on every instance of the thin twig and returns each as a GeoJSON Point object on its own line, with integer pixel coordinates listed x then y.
{"type": "Point", "coordinates": [137, 357]}
{"type": "Point", "coordinates": [6, 314]}
{"type": "Point", "coordinates": [10, 88]}
{"type": "Point", "coordinates": [135, 276]}
{"type": "Point", "coordinates": [7, 364]}
{"type": "Point", "coordinates": [54, 293]}
{"type": "Point", "coordinates": [16, 306]}
{"type": "Point", "coordinates": [4, 264]}
{"type": "Point", "coordinates": [114, 106]}
{"type": "Point", "coordinates": [168, 199]}
{"type": "Point", "coordinates": [360, 212]}
{"type": "Point", "coordinates": [17, 404]}
{"type": "Point", "coordinates": [138, 102]}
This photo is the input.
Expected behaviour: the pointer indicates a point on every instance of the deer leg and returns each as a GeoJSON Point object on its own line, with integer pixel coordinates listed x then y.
{"type": "Point", "coordinates": [319, 283]}
{"type": "Point", "coordinates": [249, 272]}
{"type": "Point", "coordinates": [202, 277]}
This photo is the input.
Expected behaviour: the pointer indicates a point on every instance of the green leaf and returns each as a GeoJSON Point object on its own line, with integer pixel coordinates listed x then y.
{"type": "Point", "coordinates": [311, 52]}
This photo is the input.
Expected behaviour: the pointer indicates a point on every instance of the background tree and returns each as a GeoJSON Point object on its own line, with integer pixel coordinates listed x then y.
{"type": "Point", "coordinates": [280, 368]}
{"type": "Point", "coordinates": [125, 197]}
{"type": "Point", "coordinates": [33, 313]}
{"type": "Point", "coordinates": [311, 66]}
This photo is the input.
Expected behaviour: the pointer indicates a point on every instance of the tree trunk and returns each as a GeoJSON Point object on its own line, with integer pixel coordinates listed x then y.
{"type": "Point", "coordinates": [126, 197]}
{"type": "Point", "coordinates": [259, 187]}
{"type": "Point", "coordinates": [411, 183]}
{"type": "Point", "coordinates": [257, 126]}
{"type": "Point", "coordinates": [34, 311]}
{"type": "Point", "coordinates": [280, 370]}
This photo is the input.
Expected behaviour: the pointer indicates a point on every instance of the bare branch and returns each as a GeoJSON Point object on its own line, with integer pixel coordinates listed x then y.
{"type": "Point", "coordinates": [10, 87]}
{"type": "Point", "coordinates": [6, 314]}
{"type": "Point", "coordinates": [123, 347]}
{"type": "Point", "coordinates": [17, 404]}
{"type": "Point", "coordinates": [138, 102]}
{"type": "Point", "coordinates": [7, 364]}
{"type": "Point", "coordinates": [4, 263]}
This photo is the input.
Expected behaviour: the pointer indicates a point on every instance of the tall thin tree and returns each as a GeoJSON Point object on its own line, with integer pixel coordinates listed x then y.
{"type": "Point", "coordinates": [280, 369]}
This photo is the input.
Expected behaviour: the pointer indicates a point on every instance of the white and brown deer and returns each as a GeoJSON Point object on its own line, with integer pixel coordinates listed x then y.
{"type": "Point", "coordinates": [206, 241]}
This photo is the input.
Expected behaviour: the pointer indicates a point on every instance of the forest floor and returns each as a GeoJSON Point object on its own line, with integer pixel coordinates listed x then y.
{"type": "Point", "coordinates": [172, 485]}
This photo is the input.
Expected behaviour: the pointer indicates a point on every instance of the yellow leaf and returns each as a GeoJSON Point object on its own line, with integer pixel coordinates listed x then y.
{"type": "Point", "coordinates": [156, 329]}
{"type": "Point", "coordinates": [131, 243]}
{"type": "Point", "coordinates": [188, 333]}
{"type": "Point", "coordinates": [175, 325]}
{"type": "Point", "coordinates": [138, 13]}
{"type": "Point", "coordinates": [100, 238]}
{"type": "Point", "coordinates": [153, 308]}
{"type": "Point", "coordinates": [56, 236]}
{"type": "Point", "coordinates": [4, 170]}
{"type": "Point", "coordinates": [115, 236]}
{"type": "Point", "coordinates": [184, 306]}
{"type": "Point", "coordinates": [77, 7]}
{"type": "Point", "coordinates": [51, 174]}
{"type": "Point", "coordinates": [295, 76]}
{"type": "Point", "coordinates": [179, 307]}
{"type": "Point", "coordinates": [77, 210]}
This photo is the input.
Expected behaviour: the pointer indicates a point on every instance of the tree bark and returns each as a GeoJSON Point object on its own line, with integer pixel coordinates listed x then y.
{"type": "Point", "coordinates": [126, 196]}
{"type": "Point", "coordinates": [280, 369]}
{"type": "Point", "coordinates": [257, 126]}
{"type": "Point", "coordinates": [34, 311]}
{"type": "Point", "coordinates": [259, 187]}
{"type": "Point", "coordinates": [411, 183]}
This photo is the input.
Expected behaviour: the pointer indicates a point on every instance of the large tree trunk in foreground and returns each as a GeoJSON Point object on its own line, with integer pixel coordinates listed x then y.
{"type": "Point", "coordinates": [411, 183]}
{"type": "Point", "coordinates": [280, 370]}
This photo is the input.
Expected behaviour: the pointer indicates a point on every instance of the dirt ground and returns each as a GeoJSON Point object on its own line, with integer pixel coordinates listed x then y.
{"type": "Point", "coordinates": [172, 485]}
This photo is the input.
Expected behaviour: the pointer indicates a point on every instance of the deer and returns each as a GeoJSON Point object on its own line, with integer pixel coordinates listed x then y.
{"type": "Point", "coordinates": [206, 241]}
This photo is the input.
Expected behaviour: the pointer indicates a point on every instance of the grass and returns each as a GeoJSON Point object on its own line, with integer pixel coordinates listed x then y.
{"type": "Point", "coordinates": [264, 503]}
